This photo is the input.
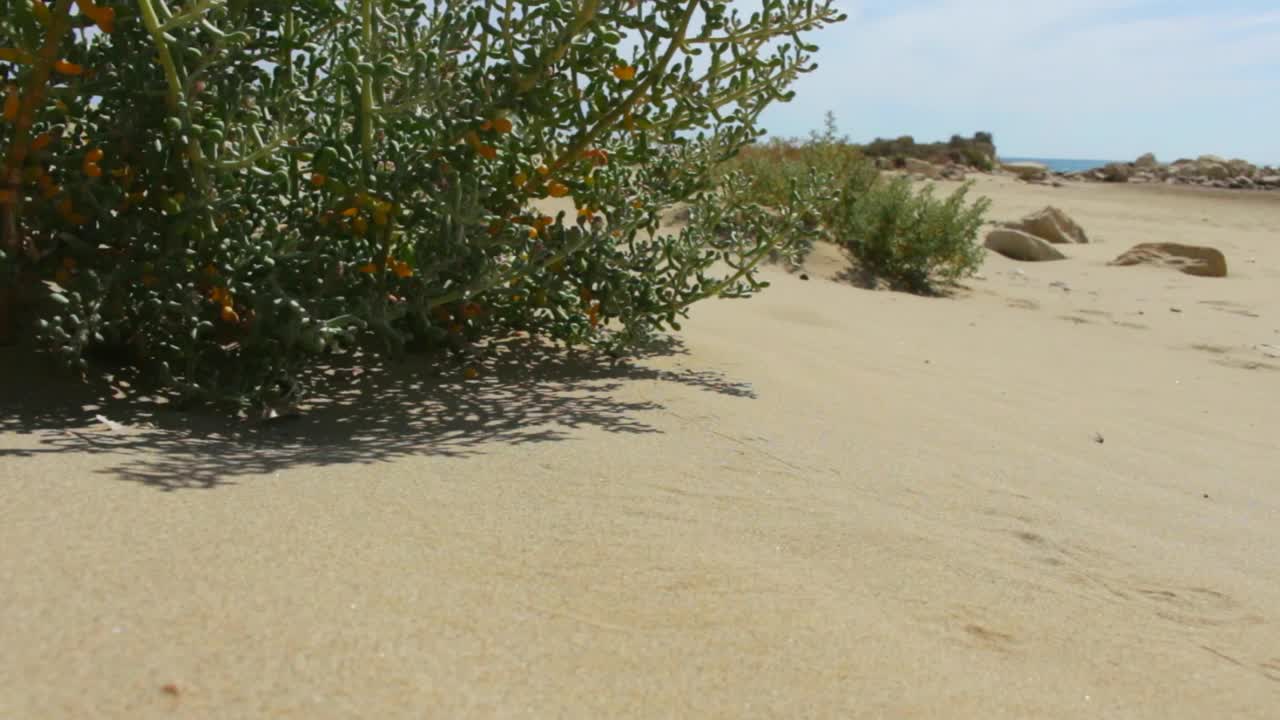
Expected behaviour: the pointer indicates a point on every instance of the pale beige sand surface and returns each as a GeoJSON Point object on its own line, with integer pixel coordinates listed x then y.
{"type": "Point", "coordinates": [826, 502]}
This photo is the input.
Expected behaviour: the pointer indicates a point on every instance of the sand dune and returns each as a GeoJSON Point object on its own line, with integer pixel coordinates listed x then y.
{"type": "Point", "coordinates": [1053, 495]}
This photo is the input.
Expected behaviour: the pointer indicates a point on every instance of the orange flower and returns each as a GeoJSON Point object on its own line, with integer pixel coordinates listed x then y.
{"type": "Point", "coordinates": [486, 126]}
{"type": "Point", "coordinates": [350, 212]}
{"type": "Point", "coordinates": [41, 141]}
{"type": "Point", "coordinates": [368, 268]}
{"type": "Point", "coordinates": [471, 373]}
{"type": "Point", "coordinates": [544, 170]}
{"type": "Point", "coordinates": [401, 269]}
{"type": "Point", "coordinates": [543, 221]}
{"type": "Point", "coordinates": [103, 17]}
{"type": "Point", "coordinates": [487, 152]}
{"type": "Point", "coordinates": [229, 314]}
{"type": "Point", "coordinates": [557, 189]}
{"type": "Point", "coordinates": [533, 233]}
{"type": "Point", "coordinates": [472, 310]}
{"type": "Point", "coordinates": [360, 225]}
{"type": "Point", "coordinates": [93, 170]}
{"type": "Point", "coordinates": [94, 155]}
{"type": "Point", "coordinates": [502, 125]}
{"type": "Point", "coordinates": [221, 296]}
{"type": "Point", "coordinates": [624, 73]}
{"type": "Point", "coordinates": [596, 155]}
{"type": "Point", "coordinates": [520, 179]}
{"type": "Point", "coordinates": [496, 225]}
{"type": "Point", "coordinates": [318, 180]}
{"type": "Point", "coordinates": [68, 68]}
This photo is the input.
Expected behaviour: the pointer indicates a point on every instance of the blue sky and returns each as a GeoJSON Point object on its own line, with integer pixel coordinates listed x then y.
{"type": "Point", "coordinates": [1099, 79]}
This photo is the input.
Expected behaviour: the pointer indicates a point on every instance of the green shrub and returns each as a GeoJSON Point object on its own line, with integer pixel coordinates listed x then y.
{"type": "Point", "coordinates": [909, 237]}
{"type": "Point", "coordinates": [221, 192]}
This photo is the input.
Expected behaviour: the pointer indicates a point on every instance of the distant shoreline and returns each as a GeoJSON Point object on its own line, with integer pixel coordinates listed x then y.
{"type": "Point", "coordinates": [1063, 165]}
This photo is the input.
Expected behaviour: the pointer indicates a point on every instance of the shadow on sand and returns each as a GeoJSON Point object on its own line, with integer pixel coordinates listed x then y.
{"type": "Point", "coordinates": [369, 413]}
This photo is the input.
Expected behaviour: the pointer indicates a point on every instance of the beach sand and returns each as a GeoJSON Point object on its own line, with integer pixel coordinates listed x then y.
{"type": "Point", "coordinates": [1055, 494]}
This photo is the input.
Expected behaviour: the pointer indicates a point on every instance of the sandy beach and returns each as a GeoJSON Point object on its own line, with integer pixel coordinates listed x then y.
{"type": "Point", "coordinates": [1054, 494]}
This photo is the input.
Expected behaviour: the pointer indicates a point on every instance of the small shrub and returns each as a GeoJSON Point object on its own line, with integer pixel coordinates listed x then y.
{"type": "Point", "coordinates": [909, 237]}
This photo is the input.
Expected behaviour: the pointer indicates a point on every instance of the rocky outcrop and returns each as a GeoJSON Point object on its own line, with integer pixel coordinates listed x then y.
{"type": "Point", "coordinates": [1190, 259]}
{"type": "Point", "coordinates": [1205, 171]}
{"type": "Point", "coordinates": [978, 152]}
{"type": "Point", "coordinates": [1051, 224]}
{"type": "Point", "coordinates": [1026, 170]}
{"type": "Point", "coordinates": [921, 168]}
{"type": "Point", "coordinates": [1117, 172]}
{"type": "Point", "coordinates": [1019, 245]}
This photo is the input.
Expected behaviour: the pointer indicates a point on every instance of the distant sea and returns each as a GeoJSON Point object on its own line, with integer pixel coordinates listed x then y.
{"type": "Point", "coordinates": [1060, 164]}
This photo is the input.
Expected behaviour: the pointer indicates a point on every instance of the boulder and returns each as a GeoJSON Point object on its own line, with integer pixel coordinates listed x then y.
{"type": "Point", "coordinates": [1027, 170]}
{"type": "Point", "coordinates": [1020, 245]}
{"type": "Point", "coordinates": [1242, 183]}
{"type": "Point", "coordinates": [1051, 224]}
{"type": "Point", "coordinates": [953, 172]}
{"type": "Point", "coordinates": [1147, 161]}
{"type": "Point", "coordinates": [1117, 172]}
{"type": "Point", "coordinates": [1211, 160]}
{"type": "Point", "coordinates": [916, 166]}
{"type": "Point", "coordinates": [1269, 181]}
{"type": "Point", "coordinates": [1190, 259]}
{"type": "Point", "coordinates": [1213, 171]}
{"type": "Point", "coordinates": [1241, 168]}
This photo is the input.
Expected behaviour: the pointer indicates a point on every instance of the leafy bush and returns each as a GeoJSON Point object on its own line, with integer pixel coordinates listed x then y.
{"type": "Point", "coordinates": [909, 237]}
{"type": "Point", "coordinates": [781, 172]}
{"type": "Point", "coordinates": [222, 191]}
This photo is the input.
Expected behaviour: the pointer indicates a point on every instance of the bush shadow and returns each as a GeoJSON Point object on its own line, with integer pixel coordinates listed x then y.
{"type": "Point", "coordinates": [359, 411]}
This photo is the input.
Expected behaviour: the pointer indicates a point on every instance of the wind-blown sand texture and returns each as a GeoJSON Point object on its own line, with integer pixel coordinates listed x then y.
{"type": "Point", "coordinates": [1055, 494]}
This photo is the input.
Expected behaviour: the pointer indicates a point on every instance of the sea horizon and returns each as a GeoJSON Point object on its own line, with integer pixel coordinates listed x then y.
{"type": "Point", "coordinates": [1061, 164]}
